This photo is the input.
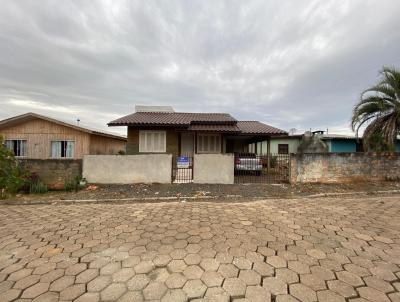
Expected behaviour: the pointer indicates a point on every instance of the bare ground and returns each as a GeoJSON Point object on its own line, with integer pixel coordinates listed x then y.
{"type": "Point", "coordinates": [235, 191]}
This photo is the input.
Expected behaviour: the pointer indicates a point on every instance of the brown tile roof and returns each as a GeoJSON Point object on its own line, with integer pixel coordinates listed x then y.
{"type": "Point", "coordinates": [254, 127]}
{"type": "Point", "coordinates": [172, 119]}
{"type": "Point", "coordinates": [211, 122]}
{"type": "Point", "coordinates": [214, 128]}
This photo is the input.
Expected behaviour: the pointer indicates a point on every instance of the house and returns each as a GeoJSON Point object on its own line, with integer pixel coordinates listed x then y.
{"type": "Point", "coordinates": [35, 136]}
{"type": "Point", "coordinates": [156, 129]}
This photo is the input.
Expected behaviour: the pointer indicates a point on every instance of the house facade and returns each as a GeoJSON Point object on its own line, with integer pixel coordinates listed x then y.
{"type": "Point", "coordinates": [35, 136]}
{"type": "Point", "coordinates": [162, 130]}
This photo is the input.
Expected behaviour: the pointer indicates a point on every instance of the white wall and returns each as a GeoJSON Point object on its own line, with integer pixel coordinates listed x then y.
{"type": "Point", "coordinates": [213, 168]}
{"type": "Point", "coordinates": [126, 169]}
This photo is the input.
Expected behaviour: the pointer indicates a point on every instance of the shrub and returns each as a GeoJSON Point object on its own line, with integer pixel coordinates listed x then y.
{"type": "Point", "coordinates": [37, 187]}
{"type": "Point", "coordinates": [11, 175]}
{"type": "Point", "coordinates": [71, 184]}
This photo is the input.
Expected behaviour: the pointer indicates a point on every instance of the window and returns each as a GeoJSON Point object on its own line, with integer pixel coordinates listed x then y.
{"type": "Point", "coordinates": [283, 149]}
{"type": "Point", "coordinates": [152, 141]}
{"type": "Point", "coordinates": [18, 146]}
{"type": "Point", "coordinates": [209, 143]}
{"type": "Point", "coordinates": [62, 149]}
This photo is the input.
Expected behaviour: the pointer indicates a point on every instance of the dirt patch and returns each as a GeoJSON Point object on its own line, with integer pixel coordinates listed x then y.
{"type": "Point", "coordinates": [236, 191]}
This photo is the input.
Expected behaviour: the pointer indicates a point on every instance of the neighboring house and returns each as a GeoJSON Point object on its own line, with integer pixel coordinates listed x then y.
{"type": "Point", "coordinates": [156, 129]}
{"type": "Point", "coordinates": [342, 143]}
{"type": "Point", "coordinates": [283, 144]}
{"type": "Point", "coordinates": [39, 137]}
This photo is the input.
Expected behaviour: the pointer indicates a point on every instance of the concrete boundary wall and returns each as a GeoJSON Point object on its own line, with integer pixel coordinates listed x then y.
{"type": "Point", "coordinates": [213, 168]}
{"type": "Point", "coordinates": [344, 167]}
{"type": "Point", "coordinates": [127, 169]}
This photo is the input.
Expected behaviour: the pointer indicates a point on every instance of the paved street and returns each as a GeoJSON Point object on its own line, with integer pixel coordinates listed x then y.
{"type": "Point", "coordinates": [284, 250]}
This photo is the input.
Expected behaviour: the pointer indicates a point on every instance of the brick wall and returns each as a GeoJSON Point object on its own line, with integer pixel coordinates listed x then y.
{"type": "Point", "coordinates": [132, 146]}
{"type": "Point", "coordinates": [344, 167]}
{"type": "Point", "coordinates": [54, 172]}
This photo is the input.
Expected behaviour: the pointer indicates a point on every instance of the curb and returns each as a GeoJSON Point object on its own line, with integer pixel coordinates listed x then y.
{"type": "Point", "coordinates": [187, 198]}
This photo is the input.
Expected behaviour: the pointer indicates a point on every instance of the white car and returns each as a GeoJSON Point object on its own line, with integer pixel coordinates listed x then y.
{"type": "Point", "coordinates": [248, 163]}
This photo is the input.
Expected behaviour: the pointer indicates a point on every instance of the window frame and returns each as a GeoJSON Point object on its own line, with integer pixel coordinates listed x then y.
{"type": "Point", "coordinates": [143, 144]}
{"type": "Point", "coordinates": [18, 139]}
{"type": "Point", "coordinates": [287, 148]}
{"type": "Point", "coordinates": [218, 147]}
{"type": "Point", "coordinates": [61, 157]}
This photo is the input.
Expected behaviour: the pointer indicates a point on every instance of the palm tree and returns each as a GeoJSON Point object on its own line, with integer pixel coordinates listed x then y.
{"type": "Point", "coordinates": [379, 107]}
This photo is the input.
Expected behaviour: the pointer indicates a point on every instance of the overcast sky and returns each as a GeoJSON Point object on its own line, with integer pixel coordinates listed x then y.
{"type": "Point", "coordinates": [291, 64]}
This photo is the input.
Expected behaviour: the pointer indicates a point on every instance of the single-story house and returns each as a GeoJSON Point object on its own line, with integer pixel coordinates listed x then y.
{"type": "Point", "coordinates": [155, 129]}
{"type": "Point", "coordinates": [35, 136]}
{"type": "Point", "coordinates": [336, 143]}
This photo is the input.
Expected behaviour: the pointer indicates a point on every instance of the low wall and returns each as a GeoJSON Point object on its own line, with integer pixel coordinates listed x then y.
{"type": "Point", "coordinates": [53, 172]}
{"type": "Point", "coordinates": [213, 168]}
{"type": "Point", "coordinates": [126, 169]}
{"type": "Point", "coordinates": [344, 167]}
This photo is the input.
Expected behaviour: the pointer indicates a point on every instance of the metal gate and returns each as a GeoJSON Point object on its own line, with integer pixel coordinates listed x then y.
{"type": "Point", "coordinates": [253, 168]}
{"type": "Point", "coordinates": [182, 168]}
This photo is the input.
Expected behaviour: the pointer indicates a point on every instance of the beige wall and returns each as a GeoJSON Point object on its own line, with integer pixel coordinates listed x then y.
{"type": "Point", "coordinates": [128, 169]}
{"type": "Point", "coordinates": [213, 168]}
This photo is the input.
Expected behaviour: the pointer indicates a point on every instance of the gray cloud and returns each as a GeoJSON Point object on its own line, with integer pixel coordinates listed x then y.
{"type": "Point", "coordinates": [294, 64]}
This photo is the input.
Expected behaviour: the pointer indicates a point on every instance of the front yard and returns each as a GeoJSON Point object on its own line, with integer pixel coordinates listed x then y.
{"type": "Point", "coordinates": [320, 249]}
{"type": "Point", "coordinates": [236, 192]}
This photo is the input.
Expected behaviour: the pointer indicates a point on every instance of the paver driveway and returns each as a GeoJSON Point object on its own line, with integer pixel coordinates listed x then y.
{"type": "Point", "coordinates": [283, 250]}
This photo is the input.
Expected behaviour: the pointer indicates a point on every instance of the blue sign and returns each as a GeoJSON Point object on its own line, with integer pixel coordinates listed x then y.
{"type": "Point", "coordinates": [182, 162]}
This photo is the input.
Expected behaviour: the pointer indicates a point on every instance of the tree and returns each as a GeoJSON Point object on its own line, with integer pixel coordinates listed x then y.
{"type": "Point", "coordinates": [11, 178]}
{"type": "Point", "coordinates": [379, 109]}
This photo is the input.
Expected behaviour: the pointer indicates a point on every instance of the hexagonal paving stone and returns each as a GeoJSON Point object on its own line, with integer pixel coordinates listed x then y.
{"type": "Point", "coordinates": [193, 272]}
{"type": "Point", "coordinates": [257, 294]}
{"type": "Point", "coordinates": [138, 282]}
{"type": "Point", "coordinates": [99, 283]}
{"type": "Point", "coordinates": [276, 261]}
{"type": "Point", "coordinates": [113, 292]}
{"type": "Point", "coordinates": [350, 278]}
{"type": "Point", "coordinates": [302, 292]}
{"type": "Point", "coordinates": [87, 275]}
{"type": "Point", "coordinates": [211, 278]}
{"type": "Point", "coordinates": [287, 275]}
{"type": "Point", "coordinates": [209, 264]}
{"type": "Point", "coordinates": [372, 294]}
{"type": "Point", "coordinates": [342, 288]}
{"type": "Point", "coordinates": [47, 297]}
{"type": "Point", "coordinates": [378, 284]}
{"type": "Point", "coordinates": [194, 289]}
{"type": "Point", "coordinates": [27, 282]}
{"type": "Point", "coordinates": [235, 287]}
{"type": "Point", "coordinates": [123, 275]}
{"type": "Point", "coordinates": [22, 273]}
{"type": "Point", "coordinates": [72, 292]}
{"type": "Point", "coordinates": [161, 260]}
{"type": "Point", "coordinates": [35, 290]}
{"type": "Point", "coordinates": [329, 296]}
{"type": "Point", "coordinates": [275, 285]}
{"type": "Point", "coordinates": [250, 277]}
{"type": "Point", "coordinates": [264, 269]}
{"type": "Point", "coordinates": [175, 295]}
{"type": "Point", "coordinates": [154, 291]}
{"type": "Point", "coordinates": [242, 263]}
{"type": "Point", "coordinates": [175, 280]}
{"type": "Point", "coordinates": [177, 266]}
{"type": "Point", "coordinates": [88, 297]}
{"type": "Point", "coordinates": [10, 295]}
{"type": "Point", "coordinates": [313, 281]}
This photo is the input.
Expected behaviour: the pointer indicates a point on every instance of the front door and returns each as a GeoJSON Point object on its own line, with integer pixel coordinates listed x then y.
{"type": "Point", "coordinates": [187, 143]}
